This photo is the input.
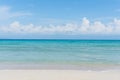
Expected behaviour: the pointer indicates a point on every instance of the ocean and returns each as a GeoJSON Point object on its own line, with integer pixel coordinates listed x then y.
{"type": "Point", "coordinates": [79, 54]}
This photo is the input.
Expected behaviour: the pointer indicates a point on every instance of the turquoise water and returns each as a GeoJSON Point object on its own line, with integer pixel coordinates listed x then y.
{"type": "Point", "coordinates": [73, 52]}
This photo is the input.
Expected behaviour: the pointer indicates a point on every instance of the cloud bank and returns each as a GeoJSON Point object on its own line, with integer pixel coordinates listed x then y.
{"type": "Point", "coordinates": [85, 27]}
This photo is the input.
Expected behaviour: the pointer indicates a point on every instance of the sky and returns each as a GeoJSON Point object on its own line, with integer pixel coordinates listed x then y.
{"type": "Point", "coordinates": [60, 19]}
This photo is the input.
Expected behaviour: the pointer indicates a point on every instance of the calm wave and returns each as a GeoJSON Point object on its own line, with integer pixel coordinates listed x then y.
{"type": "Point", "coordinates": [61, 52]}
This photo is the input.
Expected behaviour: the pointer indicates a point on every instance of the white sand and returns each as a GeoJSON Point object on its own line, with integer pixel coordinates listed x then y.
{"type": "Point", "coordinates": [58, 75]}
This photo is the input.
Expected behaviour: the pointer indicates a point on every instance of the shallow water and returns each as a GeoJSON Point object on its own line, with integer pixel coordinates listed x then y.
{"type": "Point", "coordinates": [61, 52]}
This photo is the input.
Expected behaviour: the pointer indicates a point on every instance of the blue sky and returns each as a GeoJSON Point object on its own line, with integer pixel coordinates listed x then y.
{"type": "Point", "coordinates": [60, 19]}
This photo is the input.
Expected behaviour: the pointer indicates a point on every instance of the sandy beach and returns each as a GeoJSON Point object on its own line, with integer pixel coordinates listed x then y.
{"type": "Point", "coordinates": [58, 75]}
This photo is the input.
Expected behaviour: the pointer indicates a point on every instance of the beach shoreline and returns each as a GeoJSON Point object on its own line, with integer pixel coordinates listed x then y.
{"type": "Point", "coordinates": [35, 66]}
{"type": "Point", "coordinates": [59, 60]}
{"type": "Point", "coordinates": [58, 75]}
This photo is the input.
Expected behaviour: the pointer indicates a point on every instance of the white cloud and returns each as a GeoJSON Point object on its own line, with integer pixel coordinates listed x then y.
{"type": "Point", "coordinates": [7, 13]}
{"type": "Point", "coordinates": [86, 27]}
